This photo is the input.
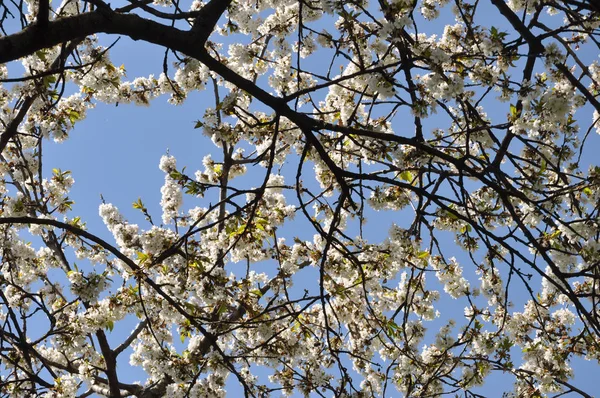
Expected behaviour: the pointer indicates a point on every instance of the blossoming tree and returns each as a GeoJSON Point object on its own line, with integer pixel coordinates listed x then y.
{"type": "Point", "coordinates": [463, 123]}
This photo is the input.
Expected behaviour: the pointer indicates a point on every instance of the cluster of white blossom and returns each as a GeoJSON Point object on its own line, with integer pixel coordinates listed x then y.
{"type": "Point", "coordinates": [171, 191]}
{"type": "Point", "coordinates": [450, 274]}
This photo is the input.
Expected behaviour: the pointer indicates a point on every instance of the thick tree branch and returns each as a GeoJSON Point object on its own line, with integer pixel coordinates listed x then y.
{"type": "Point", "coordinates": [205, 23]}
{"type": "Point", "coordinates": [110, 359]}
{"type": "Point", "coordinates": [43, 15]}
{"type": "Point", "coordinates": [62, 30]}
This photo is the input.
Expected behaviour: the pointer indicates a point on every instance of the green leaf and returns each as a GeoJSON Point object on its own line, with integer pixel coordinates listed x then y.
{"type": "Point", "coordinates": [496, 34]}
{"type": "Point", "coordinates": [256, 292]}
{"type": "Point", "coordinates": [74, 116]}
{"type": "Point", "coordinates": [423, 255]}
{"type": "Point", "coordinates": [142, 257]}
{"type": "Point", "coordinates": [175, 175]}
{"type": "Point", "coordinates": [543, 166]}
{"type": "Point", "coordinates": [41, 54]}
{"type": "Point", "coordinates": [222, 309]}
{"type": "Point", "coordinates": [48, 80]}
{"type": "Point", "coordinates": [406, 176]}
{"type": "Point", "coordinates": [67, 204]}
{"type": "Point", "coordinates": [76, 222]}
{"type": "Point", "coordinates": [261, 223]}
{"type": "Point", "coordinates": [588, 191]}
{"type": "Point", "coordinates": [451, 216]}
{"type": "Point", "coordinates": [513, 112]}
{"type": "Point", "coordinates": [240, 230]}
{"type": "Point", "coordinates": [139, 205]}
{"type": "Point", "coordinates": [54, 95]}
{"type": "Point", "coordinates": [110, 325]}
{"type": "Point", "coordinates": [198, 124]}
{"type": "Point", "coordinates": [392, 328]}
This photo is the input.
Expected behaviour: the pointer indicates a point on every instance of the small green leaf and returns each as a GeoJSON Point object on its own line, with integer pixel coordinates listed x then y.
{"type": "Point", "coordinates": [240, 230]}
{"type": "Point", "coordinates": [139, 205]}
{"type": "Point", "coordinates": [54, 95]}
{"type": "Point", "coordinates": [175, 175]}
{"type": "Point", "coordinates": [261, 223]}
{"type": "Point", "coordinates": [76, 222]}
{"type": "Point", "coordinates": [48, 80]}
{"type": "Point", "coordinates": [67, 204]}
{"type": "Point", "coordinates": [423, 255]}
{"type": "Point", "coordinates": [110, 325]}
{"type": "Point", "coordinates": [406, 176]}
{"type": "Point", "coordinates": [74, 116]}
{"type": "Point", "coordinates": [222, 309]}
{"type": "Point", "coordinates": [142, 257]}
{"type": "Point", "coordinates": [198, 124]}
{"type": "Point", "coordinates": [543, 166]}
{"type": "Point", "coordinates": [451, 216]}
{"type": "Point", "coordinates": [41, 54]}
{"type": "Point", "coordinates": [513, 112]}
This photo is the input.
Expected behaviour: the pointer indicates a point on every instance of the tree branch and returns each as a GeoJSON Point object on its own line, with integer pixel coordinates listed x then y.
{"type": "Point", "coordinates": [123, 346]}
{"type": "Point", "coordinates": [110, 359]}
{"type": "Point", "coordinates": [13, 125]}
{"type": "Point", "coordinates": [534, 42]}
{"type": "Point", "coordinates": [43, 15]}
{"type": "Point", "coordinates": [205, 23]}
